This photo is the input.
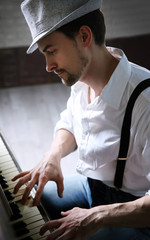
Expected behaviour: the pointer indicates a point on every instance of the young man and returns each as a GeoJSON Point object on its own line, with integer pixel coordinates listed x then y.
{"type": "Point", "coordinates": [71, 36]}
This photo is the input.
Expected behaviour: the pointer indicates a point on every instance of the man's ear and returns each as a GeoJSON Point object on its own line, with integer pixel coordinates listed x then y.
{"type": "Point", "coordinates": [85, 35]}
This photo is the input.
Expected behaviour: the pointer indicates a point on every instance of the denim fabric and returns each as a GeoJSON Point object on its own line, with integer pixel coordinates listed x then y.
{"type": "Point", "coordinates": [77, 192]}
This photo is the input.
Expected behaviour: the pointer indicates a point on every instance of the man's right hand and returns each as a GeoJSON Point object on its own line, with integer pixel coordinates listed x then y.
{"type": "Point", "coordinates": [47, 170]}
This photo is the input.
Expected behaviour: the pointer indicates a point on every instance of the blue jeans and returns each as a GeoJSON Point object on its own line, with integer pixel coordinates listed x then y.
{"type": "Point", "coordinates": [77, 193]}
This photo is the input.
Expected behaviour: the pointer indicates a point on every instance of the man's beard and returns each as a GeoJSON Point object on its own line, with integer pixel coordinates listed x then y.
{"type": "Point", "coordinates": [71, 79]}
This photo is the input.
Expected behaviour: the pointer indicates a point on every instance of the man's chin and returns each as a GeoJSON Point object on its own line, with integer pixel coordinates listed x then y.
{"type": "Point", "coordinates": [68, 83]}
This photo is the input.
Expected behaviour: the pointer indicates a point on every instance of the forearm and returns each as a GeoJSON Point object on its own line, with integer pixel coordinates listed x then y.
{"type": "Point", "coordinates": [63, 144]}
{"type": "Point", "coordinates": [130, 214]}
{"type": "Point", "coordinates": [83, 222]}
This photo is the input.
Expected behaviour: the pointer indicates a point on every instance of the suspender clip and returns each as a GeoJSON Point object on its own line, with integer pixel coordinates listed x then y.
{"type": "Point", "coordinates": [120, 159]}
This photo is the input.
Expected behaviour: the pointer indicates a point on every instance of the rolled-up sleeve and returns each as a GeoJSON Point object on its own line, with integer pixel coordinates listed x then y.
{"type": "Point", "coordinates": [66, 119]}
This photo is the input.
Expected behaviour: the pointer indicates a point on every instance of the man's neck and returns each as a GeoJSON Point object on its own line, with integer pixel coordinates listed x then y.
{"type": "Point", "coordinates": [101, 68]}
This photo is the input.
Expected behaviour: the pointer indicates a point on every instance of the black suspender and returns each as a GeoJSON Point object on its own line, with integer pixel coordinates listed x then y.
{"type": "Point", "coordinates": [125, 133]}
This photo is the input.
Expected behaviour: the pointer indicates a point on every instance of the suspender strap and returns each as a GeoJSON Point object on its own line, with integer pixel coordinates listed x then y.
{"type": "Point", "coordinates": [125, 133]}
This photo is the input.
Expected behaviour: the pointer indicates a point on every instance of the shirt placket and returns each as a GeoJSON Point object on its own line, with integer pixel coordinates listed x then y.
{"type": "Point", "coordinates": [84, 137]}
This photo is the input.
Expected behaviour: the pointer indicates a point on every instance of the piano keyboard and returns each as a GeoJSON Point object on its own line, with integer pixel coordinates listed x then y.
{"type": "Point", "coordinates": [25, 220]}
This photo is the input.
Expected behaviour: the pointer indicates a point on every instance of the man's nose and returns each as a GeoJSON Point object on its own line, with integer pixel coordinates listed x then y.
{"type": "Point", "coordinates": [50, 66]}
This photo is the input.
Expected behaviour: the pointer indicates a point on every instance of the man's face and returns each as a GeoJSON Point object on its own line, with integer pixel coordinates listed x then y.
{"type": "Point", "coordinates": [64, 56]}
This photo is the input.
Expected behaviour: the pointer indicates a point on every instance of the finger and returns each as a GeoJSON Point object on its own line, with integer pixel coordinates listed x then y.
{"type": "Point", "coordinates": [38, 195]}
{"type": "Point", "coordinates": [64, 214]}
{"type": "Point", "coordinates": [62, 235]}
{"type": "Point", "coordinates": [22, 181]}
{"type": "Point", "coordinates": [49, 225]}
{"type": "Point", "coordinates": [41, 184]}
{"type": "Point", "coordinates": [22, 174]}
{"type": "Point", "coordinates": [56, 234]}
{"type": "Point", "coordinates": [27, 191]}
{"type": "Point", "coordinates": [68, 234]}
{"type": "Point", "coordinates": [60, 188]}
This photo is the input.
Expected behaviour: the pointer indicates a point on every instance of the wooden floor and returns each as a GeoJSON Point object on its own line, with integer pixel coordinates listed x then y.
{"type": "Point", "coordinates": [27, 119]}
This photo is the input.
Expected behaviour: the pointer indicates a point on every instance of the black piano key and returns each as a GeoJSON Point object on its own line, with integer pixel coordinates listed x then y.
{"type": "Point", "coordinates": [14, 207]}
{"type": "Point", "coordinates": [4, 185]}
{"type": "Point", "coordinates": [27, 238]}
{"type": "Point", "coordinates": [8, 195]}
{"type": "Point", "coordinates": [19, 225]}
{"type": "Point", "coordinates": [16, 211]}
{"type": "Point", "coordinates": [2, 179]}
{"type": "Point", "coordinates": [15, 217]}
{"type": "Point", "coordinates": [21, 232]}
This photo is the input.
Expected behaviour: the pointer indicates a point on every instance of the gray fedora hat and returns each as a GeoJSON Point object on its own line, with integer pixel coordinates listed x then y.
{"type": "Point", "coordinates": [45, 16]}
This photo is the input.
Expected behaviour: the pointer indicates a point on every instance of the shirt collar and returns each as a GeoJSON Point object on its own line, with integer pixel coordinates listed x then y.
{"type": "Point", "coordinates": [113, 91]}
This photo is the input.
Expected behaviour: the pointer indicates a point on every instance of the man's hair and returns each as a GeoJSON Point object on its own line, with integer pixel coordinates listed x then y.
{"type": "Point", "coordinates": [94, 20]}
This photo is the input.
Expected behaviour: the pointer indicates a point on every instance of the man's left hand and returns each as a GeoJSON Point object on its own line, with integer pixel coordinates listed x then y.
{"type": "Point", "coordinates": [76, 224]}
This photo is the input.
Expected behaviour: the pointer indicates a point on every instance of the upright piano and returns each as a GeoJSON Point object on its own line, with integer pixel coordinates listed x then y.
{"type": "Point", "coordinates": [17, 221]}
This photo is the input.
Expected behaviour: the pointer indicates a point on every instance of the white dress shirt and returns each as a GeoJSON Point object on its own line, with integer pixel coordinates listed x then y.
{"type": "Point", "coordinates": [97, 127]}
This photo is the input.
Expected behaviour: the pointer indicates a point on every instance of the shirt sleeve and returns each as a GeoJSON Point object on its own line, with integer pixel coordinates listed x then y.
{"type": "Point", "coordinates": [146, 156]}
{"type": "Point", "coordinates": [66, 119]}
{"type": "Point", "coordinates": [146, 147]}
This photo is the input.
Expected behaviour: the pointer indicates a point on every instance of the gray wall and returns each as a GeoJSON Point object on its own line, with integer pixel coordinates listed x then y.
{"type": "Point", "coordinates": [123, 18]}
{"type": "Point", "coordinates": [126, 18]}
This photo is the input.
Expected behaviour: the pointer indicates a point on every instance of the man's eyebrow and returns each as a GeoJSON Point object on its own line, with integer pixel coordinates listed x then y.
{"type": "Point", "coordinates": [48, 46]}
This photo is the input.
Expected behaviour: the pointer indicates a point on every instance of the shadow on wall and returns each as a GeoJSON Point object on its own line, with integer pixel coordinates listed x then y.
{"type": "Point", "coordinates": [136, 48]}
{"type": "Point", "coordinates": [20, 69]}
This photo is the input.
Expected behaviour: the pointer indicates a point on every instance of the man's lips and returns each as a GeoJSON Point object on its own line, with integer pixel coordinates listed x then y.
{"type": "Point", "coordinates": [59, 73]}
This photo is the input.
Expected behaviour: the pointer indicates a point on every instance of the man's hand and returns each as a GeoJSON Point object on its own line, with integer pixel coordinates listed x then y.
{"type": "Point", "coordinates": [76, 224]}
{"type": "Point", "coordinates": [48, 169]}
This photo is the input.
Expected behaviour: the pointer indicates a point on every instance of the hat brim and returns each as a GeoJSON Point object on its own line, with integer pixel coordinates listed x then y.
{"type": "Point", "coordinates": [84, 9]}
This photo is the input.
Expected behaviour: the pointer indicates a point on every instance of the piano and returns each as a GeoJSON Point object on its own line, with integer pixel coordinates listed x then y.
{"type": "Point", "coordinates": [17, 221]}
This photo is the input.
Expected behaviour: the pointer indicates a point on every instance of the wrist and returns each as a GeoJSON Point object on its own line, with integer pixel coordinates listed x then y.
{"type": "Point", "coordinates": [110, 215]}
{"type": "Point", "coordinates": [52, 157]}
{"type": "Point", "coordinates": [126, 214]}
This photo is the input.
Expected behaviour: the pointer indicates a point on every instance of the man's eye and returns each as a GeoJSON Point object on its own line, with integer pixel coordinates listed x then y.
{"type": "Point", "coordinates": [51, 52]}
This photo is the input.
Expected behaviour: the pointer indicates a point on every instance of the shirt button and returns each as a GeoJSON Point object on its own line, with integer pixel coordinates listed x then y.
{"type": "Point", "coordinates": [82, 156]}
{"type": "Point", "coordinates": [86, 132]}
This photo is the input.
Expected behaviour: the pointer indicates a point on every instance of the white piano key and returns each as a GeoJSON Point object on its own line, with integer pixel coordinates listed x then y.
{"type": "Point", "coordinates": [34, 233]}
{"type": "Point", "coordinates": [36, 224]}
{"type": "Point", "coordinates": [16, 199]}
{"type": "Point", "coordinates": [30, 215]}
{"type": "Point", "coordinates": [34, 228]}
{"type": "Point", "coordinates": [11, 185]}
{"type": "Point", "coordinates": [3, 151]}
{"type": "Point", "coordinates": [28, 220]}
{"type": "Point", "coordinates": [28, 212]}
{"type": "Point", "coordinates": [20, 192]}
{"type": "Point", "coordinates": [5, 158]}
{"type": "Point", "coordinates": [9, 170]}
{"type": "Point", "coordinates": [9, 176]}
{"type": "Point", "coordinates": [6, 165]}
{"type": "Point", "coordinates": [33, 219]}
{"type": "Point", "coordinates": [25, 208]}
